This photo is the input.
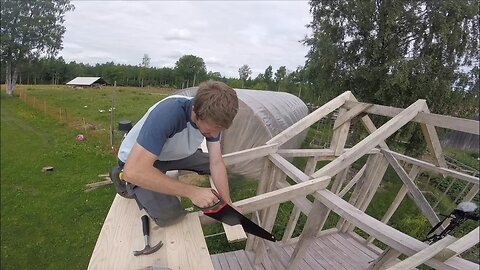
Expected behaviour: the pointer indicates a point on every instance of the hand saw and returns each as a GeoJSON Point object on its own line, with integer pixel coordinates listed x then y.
{"type": "Point", "coordinates": [225, 213]}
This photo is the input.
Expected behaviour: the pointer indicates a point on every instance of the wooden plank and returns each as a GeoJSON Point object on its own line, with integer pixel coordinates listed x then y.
{"type": "Point", "coordinates": [122, 233]}
{"type": "Point", "coordinates": [449, 122]}
{"type": "Point", "coordinates": [342, 254]}
{"type": "Point", "coordinates": [358, 255]}
{"type": "Point", "coordinates": [315, 152]}
{"type": "Point", "coordinates": [292, 223]}
{"type": "Point", "coordinates": [310, 119]}
{"type": "Point", "coordinates": [424, 255]}
{"type": "Point", "coordinates": [398, 199]}
{"type": "Point", "coordinates": [353, 181]}
{"type": "Point", "coordinates": [472, 193]}
{"type": "Point", "coordinates": [243, 260]}
{"type": "Point", "coordinates": [371, 141]}
{"type": "Point", "coordinates": [417, 195]}
{"type": "Point", "coordinates": [308, 263]}
{"type": "Point", "coordinates": [388, 235]}
{"type": "Point", "coordinates": [315, 221]}
{"type": "Point", "coordinates": [461, 245]}
{"type": "Point", "coordinates": [249, 154]}
{"type": "Point", "coordinates": [120, 236]}
{"type": "Point", "coordinates": [431, 167]}
{"type": "Point", "coordinates": [288, 168]}
{"type": "Point", "coordinates": [351, 113]}
{"type": "Point", "coordinates": [340, 134]}
{"type": "Point", "coordinates": [364, 248]}
{"type": "Point", "coordinates": [232, 261]}
{"type": "Point", "coordinates": [282, 195]}
{"type": "Point", "coordinates": [216, 262]}
{"type": "Point", "coordinates": [325, 255]}
{"type": "Point", "coordinates": [223, 261]}
{"type": "Point", "coordinates": [433, 143]}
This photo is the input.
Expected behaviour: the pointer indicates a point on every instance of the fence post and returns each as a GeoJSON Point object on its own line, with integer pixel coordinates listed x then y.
{"type": "Point", "coordinates": [60, 114]}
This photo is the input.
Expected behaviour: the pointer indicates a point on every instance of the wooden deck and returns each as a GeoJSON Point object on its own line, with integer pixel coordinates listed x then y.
{"type": "Point", "coordinates": [184, 245]}
{"type": "Point", "coordinates": [337, 251]}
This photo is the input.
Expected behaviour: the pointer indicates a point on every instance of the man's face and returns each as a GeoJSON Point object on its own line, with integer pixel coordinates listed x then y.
{"type": "Point", "coordinates": [208, 128]}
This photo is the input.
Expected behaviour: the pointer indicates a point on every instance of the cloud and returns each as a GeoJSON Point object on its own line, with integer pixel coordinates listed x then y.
{"type": "Point", "coordinates": [226, 34]}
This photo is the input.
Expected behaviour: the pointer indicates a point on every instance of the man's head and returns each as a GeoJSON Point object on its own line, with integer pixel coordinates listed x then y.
{"type": "Point", "coordinates": [216, 103]}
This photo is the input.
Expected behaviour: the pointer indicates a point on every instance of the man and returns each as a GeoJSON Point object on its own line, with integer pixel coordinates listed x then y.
{"type": "Point", "coordinates": [167, 138]}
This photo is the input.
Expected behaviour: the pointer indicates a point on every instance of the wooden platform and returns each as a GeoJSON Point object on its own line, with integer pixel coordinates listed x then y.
{"type": "Point", "coordinates": [337, 251]}
{"type": "Point", "coordinates": [121, 234]}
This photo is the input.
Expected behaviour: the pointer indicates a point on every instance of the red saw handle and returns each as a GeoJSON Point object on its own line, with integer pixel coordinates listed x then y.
{"type": "Point", "coordinates": [216, 207]}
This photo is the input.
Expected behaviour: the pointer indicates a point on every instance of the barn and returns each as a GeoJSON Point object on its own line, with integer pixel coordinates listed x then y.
{"type": "Point", "coordinates": [87, 82]}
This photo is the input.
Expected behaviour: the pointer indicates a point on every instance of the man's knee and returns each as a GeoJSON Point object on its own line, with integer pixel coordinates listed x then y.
{"type": "Point", "coordinates": [164, 209]}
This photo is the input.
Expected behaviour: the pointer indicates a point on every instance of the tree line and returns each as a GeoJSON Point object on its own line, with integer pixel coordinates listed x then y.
{"type": "Point", "coordinates": [386, 52]}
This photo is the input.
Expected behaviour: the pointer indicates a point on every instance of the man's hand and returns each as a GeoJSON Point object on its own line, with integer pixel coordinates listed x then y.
{"type": "Point", "coordinates": [203, 197]}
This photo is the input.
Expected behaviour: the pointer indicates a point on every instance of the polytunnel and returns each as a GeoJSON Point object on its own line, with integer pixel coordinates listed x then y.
{"type": "Point", "coordinates": [261, 115]}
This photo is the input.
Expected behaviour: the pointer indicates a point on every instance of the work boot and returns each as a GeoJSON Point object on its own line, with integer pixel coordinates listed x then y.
{"type": "Point", "coordinates": [120, 184]}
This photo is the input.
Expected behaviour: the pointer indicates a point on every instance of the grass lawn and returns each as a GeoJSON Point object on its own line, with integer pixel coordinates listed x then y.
{"type": "Point", "coordinates": [47, 220]}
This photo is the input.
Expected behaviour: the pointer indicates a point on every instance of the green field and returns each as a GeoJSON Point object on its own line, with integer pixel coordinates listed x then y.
{"type": "Point", "coordinates": [49, 222]}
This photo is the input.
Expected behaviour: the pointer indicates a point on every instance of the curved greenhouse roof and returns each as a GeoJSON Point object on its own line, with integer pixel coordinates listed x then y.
{"type": "Point", "coordinates": [261, 116]}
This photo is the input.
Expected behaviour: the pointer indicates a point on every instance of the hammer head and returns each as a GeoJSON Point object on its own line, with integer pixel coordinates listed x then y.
{"type": "Point", "coordinates": [148, 249]}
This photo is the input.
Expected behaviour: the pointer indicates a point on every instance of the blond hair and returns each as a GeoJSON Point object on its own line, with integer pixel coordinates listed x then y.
{"type": "Point", "coordinates": [217, 102]}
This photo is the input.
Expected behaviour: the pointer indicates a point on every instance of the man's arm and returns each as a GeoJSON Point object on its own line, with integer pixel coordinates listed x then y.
{"type": "Point", "coordinates": [218, 171]}
{"type": "Point", "coordinates": [139, 170]}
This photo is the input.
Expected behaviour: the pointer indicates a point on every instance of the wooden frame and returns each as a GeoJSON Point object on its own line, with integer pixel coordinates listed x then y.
{"type": "Point", "coordinates": [274, 189]}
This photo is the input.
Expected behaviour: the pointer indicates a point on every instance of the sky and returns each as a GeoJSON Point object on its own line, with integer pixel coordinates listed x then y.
{"type": "Point", "coordinates": [225, 34]}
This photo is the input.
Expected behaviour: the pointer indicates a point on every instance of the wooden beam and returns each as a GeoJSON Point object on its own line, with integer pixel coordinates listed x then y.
{"type": "Point", "coordinates": [398, 199]}
{"type": "Point", "coordinates": [352, 182]}
{"type": "Point", "coordinates": [352, 113]}
{"type": "Point", "coordinates": [449, 122]}
{"type": "Point", "coordinates": [417, 195]}
{"type": "Point", "coordinates": [424, 255]}
{"type": "Point", "coordinates": [433, 143]}
{"type": "Point", "coordinates": [315, 152]}
{"type": "Point", "coordinates": [282, 195]}
{"type": "Point", "coordinates": [371, 141]}
{"type": "Point", "coordinates": [340, 134]}
{"type": "Point", "coordinates": [461, 245]}
{"type": "Point", "coordinates": [432, 167]}
{"type": "Point", "coordinates": [288, 168]}
{"type": "Point", "coordinates": [386, 234]}
{"type": "Point", "coordinates": [249, 154]}
{"type": "Point", "coordinates": [315, 220]}
{"type": "Point", "coordinates": [310, 119]}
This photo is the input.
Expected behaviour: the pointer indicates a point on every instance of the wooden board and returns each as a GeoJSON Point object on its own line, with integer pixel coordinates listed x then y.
{"type": "Point", "coordinates": [121, 234]}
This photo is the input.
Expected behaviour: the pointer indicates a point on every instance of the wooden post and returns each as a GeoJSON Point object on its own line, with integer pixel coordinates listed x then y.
{"type": "Point", "coordinates": [262, 187]}
{"type": "Point", "coordinates": [310, 168]}
{"type": "Point", "coordinates": [316, 219]}
{"type": "Point", "coordinates": [60, 114]}
{"type": "Point", "coordinates": [398, 199]}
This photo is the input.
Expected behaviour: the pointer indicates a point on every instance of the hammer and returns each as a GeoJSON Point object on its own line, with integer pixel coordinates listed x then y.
{"type": "Point", "coordinates": [146, 232]}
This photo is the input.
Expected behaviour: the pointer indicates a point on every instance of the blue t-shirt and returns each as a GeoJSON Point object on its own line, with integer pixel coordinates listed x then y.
{"type": "Point", "coordinates": [166, 130]}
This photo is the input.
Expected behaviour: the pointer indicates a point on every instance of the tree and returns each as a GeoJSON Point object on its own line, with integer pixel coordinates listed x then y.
{"type": "Point", "coordinates": [244, 73]}
{"type": "Point", "coordinates": [30, 29]}
{"type": "Point", "coordinates": [145, 61]}
{"type": "Point", "coordinates": [190, 68]}
{"type": "Point", "coordinates": [280, 75]}
{"type": "Point", "coordinates": [393, 52]}
{"type": "Point", "coordinates": [268, 74]}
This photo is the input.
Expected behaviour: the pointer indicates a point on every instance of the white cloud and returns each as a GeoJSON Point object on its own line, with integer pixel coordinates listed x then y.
{"type": "Point", "coordinates": [226, 34]}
